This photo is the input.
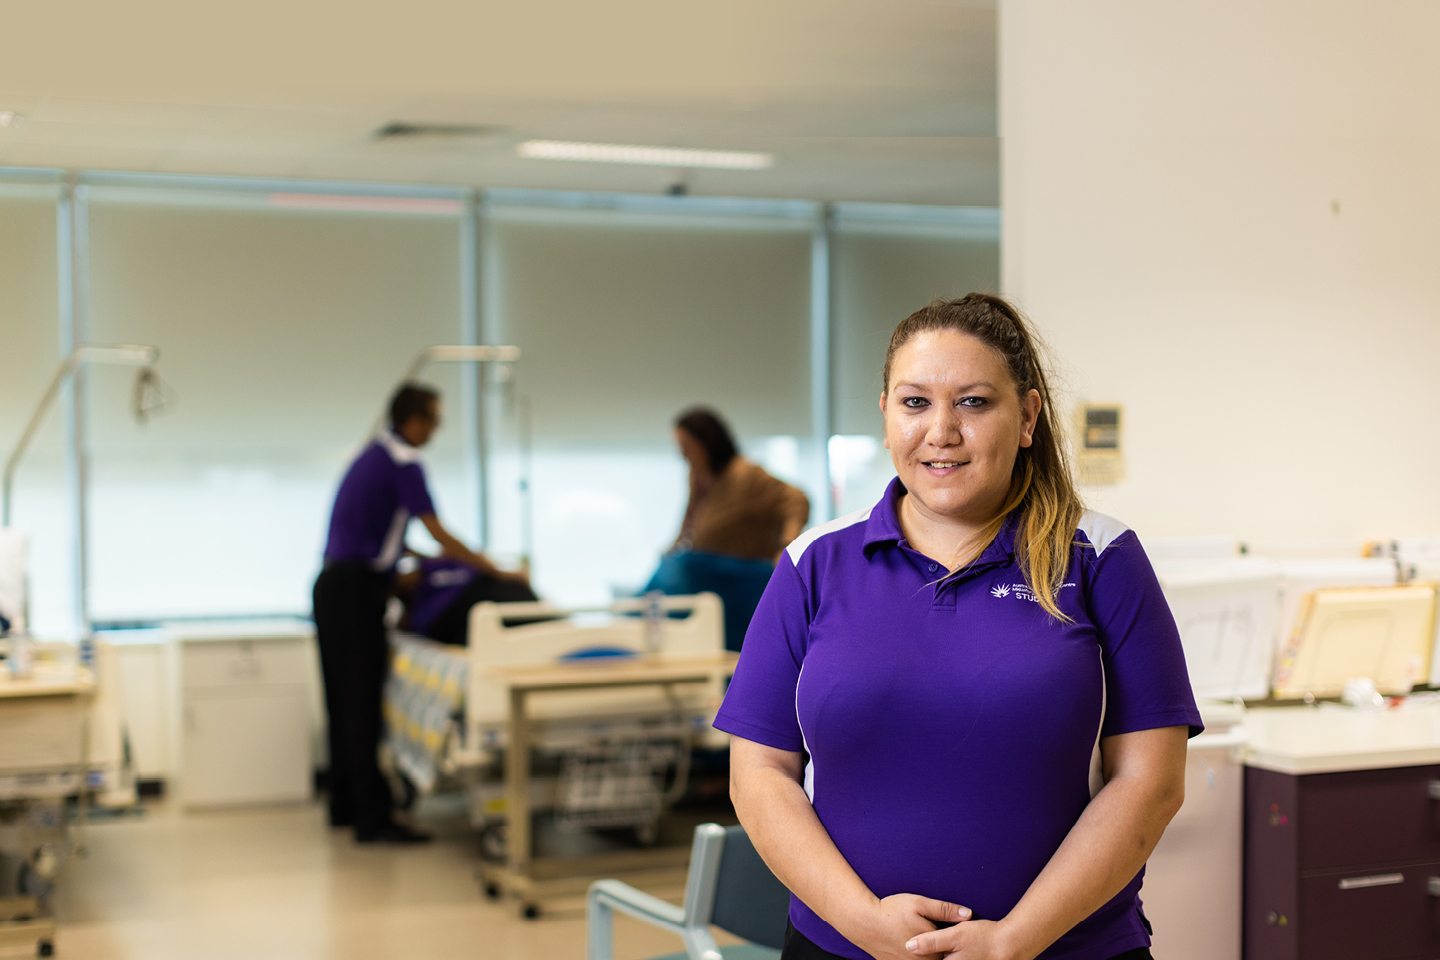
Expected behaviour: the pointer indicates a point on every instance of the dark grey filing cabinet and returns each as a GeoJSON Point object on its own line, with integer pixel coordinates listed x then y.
{"type": "Point", "coordinates": [1344, 863]}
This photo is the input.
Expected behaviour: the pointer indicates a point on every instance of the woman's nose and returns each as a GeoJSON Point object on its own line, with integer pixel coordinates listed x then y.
{"type": "Point", "coordinates": [944, 428]}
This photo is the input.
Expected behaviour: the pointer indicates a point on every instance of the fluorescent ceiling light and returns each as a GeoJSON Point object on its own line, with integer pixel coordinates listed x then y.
{"type": "Point", "coordinates": [333, 201]}
{"type": "Point", "coordinates": [648, 156]}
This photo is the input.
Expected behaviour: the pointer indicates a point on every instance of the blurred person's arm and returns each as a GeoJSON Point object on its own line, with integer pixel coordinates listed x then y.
{"type": "Point", "coordinates": [450, 546]}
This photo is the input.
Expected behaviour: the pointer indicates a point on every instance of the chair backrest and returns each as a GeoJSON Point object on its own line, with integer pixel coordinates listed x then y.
{"type": "Point", "coordinates": [749, 901]}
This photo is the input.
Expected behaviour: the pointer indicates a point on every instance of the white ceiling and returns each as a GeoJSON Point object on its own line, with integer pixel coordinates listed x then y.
{"type": "Point", "coordinates": [884, 100]}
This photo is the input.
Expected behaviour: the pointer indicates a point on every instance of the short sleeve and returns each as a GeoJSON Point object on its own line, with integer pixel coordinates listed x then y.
{"type": "Point", "coordinates": [414, 495]}
{"type": "Point", "coordinates": [760, 704]}
{"type": "Point", "coordinates": [1146, 682]}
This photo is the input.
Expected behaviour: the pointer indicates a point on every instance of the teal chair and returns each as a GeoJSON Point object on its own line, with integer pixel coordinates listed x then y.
{"type": "Point", "coordinates": [728, 886]}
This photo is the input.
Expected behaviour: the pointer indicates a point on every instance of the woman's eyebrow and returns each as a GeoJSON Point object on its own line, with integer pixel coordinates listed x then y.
{"type": "Point", "coordinates": [969, 386]}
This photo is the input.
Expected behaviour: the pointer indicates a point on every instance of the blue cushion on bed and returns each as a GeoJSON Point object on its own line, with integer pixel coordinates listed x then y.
{"type": "Point", "coordinates": [739, 581]}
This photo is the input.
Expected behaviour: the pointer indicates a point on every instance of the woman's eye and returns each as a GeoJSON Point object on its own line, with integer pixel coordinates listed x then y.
{"type": "Point", "coordinates": [973, 401]}
{"type": "Point", "coordinates": [914, 403]}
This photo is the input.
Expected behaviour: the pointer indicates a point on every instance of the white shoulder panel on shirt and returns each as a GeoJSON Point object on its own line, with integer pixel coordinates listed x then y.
{"type": "Point", "coordinates": [400, 451]}
{"type": "Point", "coordinates": [799, 544]}
{"type": "Point", "coordinates": [1100, 530]}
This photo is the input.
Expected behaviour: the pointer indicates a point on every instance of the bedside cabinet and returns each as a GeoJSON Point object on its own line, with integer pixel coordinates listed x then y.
{"type": "Point", "coordinates": [244, 718]}
{"type": "Point", "coordinates": [1342, 841]}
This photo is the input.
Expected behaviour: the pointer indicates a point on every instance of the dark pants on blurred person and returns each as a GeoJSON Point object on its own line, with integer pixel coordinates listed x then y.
{"type": "Point", "coordinates": [350, 603]}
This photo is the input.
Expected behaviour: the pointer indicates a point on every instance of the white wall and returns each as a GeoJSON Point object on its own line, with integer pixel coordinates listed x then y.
{"type": "Point", "coordinates": [1227, 217]}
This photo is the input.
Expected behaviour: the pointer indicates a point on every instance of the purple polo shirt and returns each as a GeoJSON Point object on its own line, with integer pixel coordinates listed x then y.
{"type": "Point", "coordinates": [952, 729]}
{"type": "Point", "coordinates": [382, 490]}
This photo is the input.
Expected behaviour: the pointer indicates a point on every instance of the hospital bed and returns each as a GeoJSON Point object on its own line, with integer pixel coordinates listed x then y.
{"type": "Point", "coordinates": [604, 758]}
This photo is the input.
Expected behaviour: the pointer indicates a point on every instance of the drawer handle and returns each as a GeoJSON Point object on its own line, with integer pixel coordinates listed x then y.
{"type": "Point", "coordinates": [1432, 886]}
{"type": "Point", "coordinates": [1379, 880]}
{"type": "Point", "coordinates": [1434, 788]}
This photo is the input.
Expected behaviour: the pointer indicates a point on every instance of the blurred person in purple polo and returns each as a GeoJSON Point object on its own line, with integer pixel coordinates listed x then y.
{"type": "Point", "coordinates": [960, 715]}
{"type": "Point", "coordinates": [383, 490]}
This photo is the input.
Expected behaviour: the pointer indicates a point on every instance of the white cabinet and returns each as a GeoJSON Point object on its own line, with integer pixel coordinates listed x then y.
{"type": "Point", "coordinates": [1192, 890]}
{"type": "Point", "coordinates": [244, 711]}
{"type": "Point", "coordinates": [145, 703]}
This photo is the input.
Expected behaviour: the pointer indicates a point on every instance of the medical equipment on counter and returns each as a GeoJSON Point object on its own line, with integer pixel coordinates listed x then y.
{"type": "Point", "coordinates": [60, 736]}
{"type": "Point", "coordinates": [1418, 559]}
{"type": "Point", "coordinates": [1302, 577]}
{"type": "Point", "coordinates": [1384, 633]}
{"type": "Point", "coordinates": [1168, 549]}
{"type": "Point", "coordinates": [1227, 612]}
{"type": "Point", "coordinates": [13, 547]}
{"type": "Point", "coordinates": [1199, 858]}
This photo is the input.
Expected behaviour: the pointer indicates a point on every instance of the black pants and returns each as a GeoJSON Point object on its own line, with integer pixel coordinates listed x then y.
{"type": "Point", "coordinates": [453, 624]}
{"type": "Point", "coordinates": [800, 947]}
{"type": "Point", "coordinates": [354, 660]}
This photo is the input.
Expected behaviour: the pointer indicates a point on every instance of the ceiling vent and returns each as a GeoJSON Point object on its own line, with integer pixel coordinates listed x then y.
{"type": "Point", "coordinates": [400, 130]}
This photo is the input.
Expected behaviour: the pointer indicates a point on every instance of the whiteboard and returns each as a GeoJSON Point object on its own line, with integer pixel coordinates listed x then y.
{"type": "Point", "coordinates": [1226, 611]}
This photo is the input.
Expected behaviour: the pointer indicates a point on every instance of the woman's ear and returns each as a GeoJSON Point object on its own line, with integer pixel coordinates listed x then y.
{"type": "Point", "coordinates": [882, 420]}
{"type": "Point", "coordinates": [1029, 417]}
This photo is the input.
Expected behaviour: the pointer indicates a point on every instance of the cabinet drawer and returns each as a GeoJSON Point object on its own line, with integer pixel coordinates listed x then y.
{"type": "Point", "coordinates": [1380, 914]}
{"type": "Point", "coordinates": [1368, 816]}
{"type": "Point", "coordinates": [231, 663]}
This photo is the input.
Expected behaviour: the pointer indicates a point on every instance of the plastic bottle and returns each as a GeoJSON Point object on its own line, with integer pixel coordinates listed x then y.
{"type": "Point", "coordinates": [654, 621]}
{"type": "Point", "coordinates": [22, 655]}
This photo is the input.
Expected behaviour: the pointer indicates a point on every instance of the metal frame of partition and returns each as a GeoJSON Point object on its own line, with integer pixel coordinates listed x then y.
{"type": "Point", "coordinates": [480, 320]}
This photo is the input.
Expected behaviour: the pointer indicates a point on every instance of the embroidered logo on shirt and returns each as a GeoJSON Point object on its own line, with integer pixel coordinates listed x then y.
{"type": "Point", "coordinates": [1021, 591]}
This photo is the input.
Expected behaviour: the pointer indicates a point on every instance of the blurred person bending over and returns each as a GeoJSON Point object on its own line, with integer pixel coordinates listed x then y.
{"type": "Point", "coordinates": [383, 489]}
{"type": "Point", "coordinates": [736, 523]}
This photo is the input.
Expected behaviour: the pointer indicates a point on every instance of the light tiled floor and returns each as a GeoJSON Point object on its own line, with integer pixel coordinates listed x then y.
{"type": "Point", "coordinates": [278, 884]}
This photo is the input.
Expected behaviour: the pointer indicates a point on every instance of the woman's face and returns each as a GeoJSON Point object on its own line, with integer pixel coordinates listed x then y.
{"type": "Point", "coordinates": [954, 424]}
{"type": "Point", "coordinates": [693, 451]}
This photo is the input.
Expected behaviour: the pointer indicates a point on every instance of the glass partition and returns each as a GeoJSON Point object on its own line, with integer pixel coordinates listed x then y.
{"type": "Point", "coordinates": [623, 322]}
{"type": "Point", "coordinates": [282, 333]}
{"type": "Point", "coordinates": [285, 316]}
{"type": "Point", "coordinates": [883, 272]}
{"type": "Point", "coordinates": [29, 356]}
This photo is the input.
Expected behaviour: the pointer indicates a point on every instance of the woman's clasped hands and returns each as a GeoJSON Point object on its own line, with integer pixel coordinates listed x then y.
{"type": "Point", "coordinates": [972, 940]}
{"type": "Point", "coordinates": [902, 927]}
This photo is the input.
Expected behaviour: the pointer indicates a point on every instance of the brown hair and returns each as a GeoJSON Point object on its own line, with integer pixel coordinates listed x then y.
{"type": "Point", "coordinates": [1040, 484]}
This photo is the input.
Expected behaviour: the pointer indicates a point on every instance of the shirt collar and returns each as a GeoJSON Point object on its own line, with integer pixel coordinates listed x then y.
{"type": "Point", "coordinates": [883, 527]}
{"type": "Point", "coordinates": [400, 451]}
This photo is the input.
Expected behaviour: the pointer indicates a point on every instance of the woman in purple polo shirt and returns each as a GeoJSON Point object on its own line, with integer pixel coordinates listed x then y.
{"type": "Point", "coordinates": [965, 707]}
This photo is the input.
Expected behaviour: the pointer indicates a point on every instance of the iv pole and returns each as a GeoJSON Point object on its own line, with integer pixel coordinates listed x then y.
{"type": "Point", "coordinates": [122, 355]}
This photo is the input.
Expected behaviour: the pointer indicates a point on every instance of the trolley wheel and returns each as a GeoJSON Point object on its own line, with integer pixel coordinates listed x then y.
{"type": "Point", "coordinates": [531, 911]}
{"type": "Point", "coordinates": [492, 843]}
{"type": "Point", "coordinates": [45, 948]}
{"type": "Point", "coordinates": [492, 891]}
